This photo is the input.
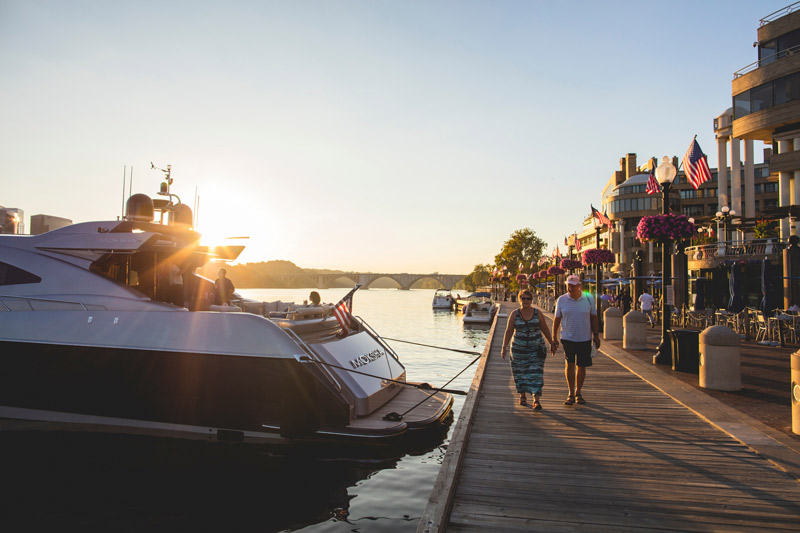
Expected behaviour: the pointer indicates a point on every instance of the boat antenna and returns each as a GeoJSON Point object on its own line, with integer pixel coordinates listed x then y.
{"type": "Point", "coordinates": [124, 175]}
{"type": "Point", "coordinates": [130, 185]}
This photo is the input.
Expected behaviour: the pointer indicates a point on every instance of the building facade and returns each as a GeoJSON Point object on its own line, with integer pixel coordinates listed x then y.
{"type": "Point", "coordinates": [12, 220]}
{"type": "Point", "coordinates": [44, 223]}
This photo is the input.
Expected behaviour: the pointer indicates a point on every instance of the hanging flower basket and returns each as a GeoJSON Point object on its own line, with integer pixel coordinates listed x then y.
{"type": "Point", "coordinates": [570, 264]}
{"type": "Point", "coordinates": [555, 271]}
{"type": "Point", "coordinates": [597, 256]}
{"type": "Point", "coordinates": [665, 228]}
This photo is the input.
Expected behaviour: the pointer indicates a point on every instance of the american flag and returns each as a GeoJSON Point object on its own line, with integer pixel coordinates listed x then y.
{"type": "Point", "coordinates": [577, 245]}
{"type": "Point", "coordinates": [343, 311]}
{"type": "Point", "coordinates": [652, 184]}
{"type": "Point", "coordinates": [695, 165]}
{"type": "Point", "coordinates": [565, 242]}
{"type": "Point", "coordinates": [602, 218]}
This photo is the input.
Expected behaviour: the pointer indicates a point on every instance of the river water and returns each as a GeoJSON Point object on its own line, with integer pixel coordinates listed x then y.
{"type": "Point", "coordinates": [115, 483]}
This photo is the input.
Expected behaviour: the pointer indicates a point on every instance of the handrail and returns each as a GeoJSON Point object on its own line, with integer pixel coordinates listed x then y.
{"type": "Point", "coordinates": [766, 60]}
{"type": "Point", "coordinates": [733, 248]}
{"type": "Point", "coordinates": [313, 355]}
{"type": "Point", "coordinates": [782, 11]}
{"type": "Point", "coordinates": [378, 338]}
{"type": "Point", "coordinates": [34, 299]}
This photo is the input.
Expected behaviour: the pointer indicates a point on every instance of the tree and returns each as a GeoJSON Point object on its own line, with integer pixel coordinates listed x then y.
{"type": "Point", "coordinates": [524, 247]}
{"type": "Point", "coordinates": [477, 278]}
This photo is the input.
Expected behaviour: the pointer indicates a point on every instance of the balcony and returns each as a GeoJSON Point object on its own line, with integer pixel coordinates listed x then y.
{"type": "Point", "coordinates": [712, 255]}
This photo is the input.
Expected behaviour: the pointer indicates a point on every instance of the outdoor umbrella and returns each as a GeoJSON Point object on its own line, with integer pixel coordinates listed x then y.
{"type": "Point", "coordinates": [736, 302]}
{"type": "Point", "coordinates": [768, 304]}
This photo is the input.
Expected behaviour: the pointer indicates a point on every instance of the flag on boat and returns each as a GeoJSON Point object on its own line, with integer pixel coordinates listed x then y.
{"type": "Point", "coordinates": [695, 165]}
{"type": "Point", "coordinates": [602, 218]}
{"type": "Point", "coordinates": [652, 183]}
{"type": "Point", "coordinates": [343, 311]}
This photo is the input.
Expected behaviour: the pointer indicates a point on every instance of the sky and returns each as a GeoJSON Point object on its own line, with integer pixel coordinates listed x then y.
{"type": "Point", "coordinates": [366, 135]}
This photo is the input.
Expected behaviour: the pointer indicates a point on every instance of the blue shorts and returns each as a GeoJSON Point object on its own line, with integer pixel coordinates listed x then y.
{"type": "Point", "coordinates": [582, 351]}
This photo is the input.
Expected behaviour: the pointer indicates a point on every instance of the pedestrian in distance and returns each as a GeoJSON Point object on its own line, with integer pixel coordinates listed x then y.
{"type": "Point", "coordinates": [528, 350]}
{"type": "Point", "coordinates": [576, 315]}
{"type": "Point", "coordinates": [646, 301]}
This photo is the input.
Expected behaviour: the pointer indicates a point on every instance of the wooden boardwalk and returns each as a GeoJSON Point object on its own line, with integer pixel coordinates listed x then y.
{"type": "Point", "coordinates": [631, 459]}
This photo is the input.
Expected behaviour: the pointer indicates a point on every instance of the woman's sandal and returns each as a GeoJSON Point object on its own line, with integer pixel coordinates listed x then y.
{"type": "Point", "coordinates": [570, 400]}
{"type": "Point", "coordinates": [537, 405]}
{"type": "Point", "coordinates": [523, 401]}
{"type": "Point", "coordinates": [579, 399]}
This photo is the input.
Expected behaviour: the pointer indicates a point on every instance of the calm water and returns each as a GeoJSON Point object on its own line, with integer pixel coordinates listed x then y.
{"type": "Point", "coordinates": [119, 483]}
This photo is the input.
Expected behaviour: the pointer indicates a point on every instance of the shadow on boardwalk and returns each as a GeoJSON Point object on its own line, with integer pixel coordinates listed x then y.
{"type": "Point", "coordinates": [647, 452]}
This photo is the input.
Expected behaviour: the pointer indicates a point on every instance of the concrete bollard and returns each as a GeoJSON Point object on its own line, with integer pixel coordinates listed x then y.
{"type": "Point", "coordinates": [720, 359]}
{"type": "Point", "coordinates": [635, 331]}
{"type": "Point", "coordinates": [796, 392]}
{"type": "Point", "coordinates": [613, 324]}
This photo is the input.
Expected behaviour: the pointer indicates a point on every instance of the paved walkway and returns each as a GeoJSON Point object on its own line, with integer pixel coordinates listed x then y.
{"type": "Point", "coordinates": [650, 451]}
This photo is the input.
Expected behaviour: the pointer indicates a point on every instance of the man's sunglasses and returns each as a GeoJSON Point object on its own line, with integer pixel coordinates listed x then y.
{"type": "Point", "coordinates": [526, 298]}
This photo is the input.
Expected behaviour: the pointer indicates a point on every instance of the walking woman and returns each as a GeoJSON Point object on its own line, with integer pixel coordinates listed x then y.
{"type": "Point", "coordinates": [528, 350]}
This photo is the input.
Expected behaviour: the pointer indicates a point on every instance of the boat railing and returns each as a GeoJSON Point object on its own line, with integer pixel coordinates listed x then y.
{"type": "Point", "coordinates": [378, 338]}
{"type": "Point", "coordinates": [32, 301]}
{"type": "Point", "coordinates": [314, 357]}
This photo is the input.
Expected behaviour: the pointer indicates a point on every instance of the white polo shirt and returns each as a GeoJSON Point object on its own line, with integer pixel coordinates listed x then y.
{"type": "Point", "coordinates": [576, 322]}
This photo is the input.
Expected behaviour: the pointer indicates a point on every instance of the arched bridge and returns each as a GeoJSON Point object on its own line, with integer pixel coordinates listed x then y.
{"type": "Point", "coordinates": [323, 281]}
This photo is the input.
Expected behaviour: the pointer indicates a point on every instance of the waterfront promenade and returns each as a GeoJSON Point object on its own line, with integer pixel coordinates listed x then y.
{"type": "Point", "coordinates": [650, 451]}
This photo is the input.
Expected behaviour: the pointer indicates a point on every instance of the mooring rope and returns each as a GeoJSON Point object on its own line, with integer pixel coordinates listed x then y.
{"type": "Point", "coordinates": [432, 346]}
{"type": "Point", "coordinates": [426, 386]}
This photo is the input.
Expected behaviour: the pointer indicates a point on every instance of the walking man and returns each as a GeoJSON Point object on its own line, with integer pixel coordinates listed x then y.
{"type": "Point", "coordinates": [646, 300]}
{"type": "Point", "coordinates": [577, 313]}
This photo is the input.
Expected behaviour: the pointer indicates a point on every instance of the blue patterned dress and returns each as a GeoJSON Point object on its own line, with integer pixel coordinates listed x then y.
{"type": "Point", "coordinates": [528, 353]}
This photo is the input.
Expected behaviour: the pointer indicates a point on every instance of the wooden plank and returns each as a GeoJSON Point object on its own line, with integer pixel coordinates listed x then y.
{"type": "Point", "coordinates": [631, 459]}
{"type": "Point", "coordinates": [434, 517]}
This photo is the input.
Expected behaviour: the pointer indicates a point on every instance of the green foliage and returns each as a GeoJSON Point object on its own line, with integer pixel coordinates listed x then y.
{"type": "Point", "coordinates": [477, 278]}
{"type": "Point", "coordinates": [523, 247]}
{"type": "Point", "coordinates": [766, 229]}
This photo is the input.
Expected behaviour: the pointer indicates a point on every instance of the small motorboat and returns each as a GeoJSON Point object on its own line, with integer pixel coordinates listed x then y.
{"type": "Point", "coordinates": [443, 299]}
{"type": "Point", "coordinates": [479, 311]}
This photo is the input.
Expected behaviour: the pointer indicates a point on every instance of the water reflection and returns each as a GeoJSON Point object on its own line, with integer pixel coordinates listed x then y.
{"type": "Point", "coordinates": [134, 483]}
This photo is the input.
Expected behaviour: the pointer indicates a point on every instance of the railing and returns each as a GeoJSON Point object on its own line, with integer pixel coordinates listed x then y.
{"type": "Point", "coordinates": [29, 299]}
{"type": "Point", "coordinates": [733, 249]}
{"type": "Point", "coordinates": [779, 13]}
{"type": "Point", "coordinates": [767, 60]}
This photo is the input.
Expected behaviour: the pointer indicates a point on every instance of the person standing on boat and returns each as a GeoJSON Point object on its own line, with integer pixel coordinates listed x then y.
{"type": "Point", "coordinates": [578, 313]}
{"type": "Point", "coordinates": [223, 288]}
{"type": "Point", "coordinates": [176, 285]}
{"type": "Point", "coordinates": [528, 350]}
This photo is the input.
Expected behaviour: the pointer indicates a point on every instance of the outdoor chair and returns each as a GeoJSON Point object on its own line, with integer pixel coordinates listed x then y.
{"type": "Point", "coordinates": [761, 327]}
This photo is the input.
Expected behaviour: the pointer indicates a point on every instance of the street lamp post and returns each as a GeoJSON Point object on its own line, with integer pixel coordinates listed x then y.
{"type": "Point", "coordinates": [598, 276]}
{"type": "Point", "coordinates": [665, 173]}
{"type": "Point", "coordinates": [724, 215]}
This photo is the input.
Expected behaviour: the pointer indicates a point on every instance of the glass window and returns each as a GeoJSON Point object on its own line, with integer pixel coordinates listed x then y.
{"type": "Point", "coordinates": [787, 89]}
{"type": "Point", "coordinates": [788, 41]}
{"type": "Point", "coordinates": [761, 97]}
{"type": "Point", "coordinates": [710, 193]}
{"type": "Point", "coordinates": [771, 187]}
{"type": "Point", "coordinates": [766, 52]}
{"type": "Point", "coordinates": [11, 275]}
{"type": "Point", "coordinates": [741, 105]}
{"type": "Point", "coordinates": [770, 202]}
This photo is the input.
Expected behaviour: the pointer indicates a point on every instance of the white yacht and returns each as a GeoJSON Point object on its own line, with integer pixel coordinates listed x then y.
{"type": "Point", "coordinates": [92, 340]}
{"type": "Point", "coordinates": [443, 299]}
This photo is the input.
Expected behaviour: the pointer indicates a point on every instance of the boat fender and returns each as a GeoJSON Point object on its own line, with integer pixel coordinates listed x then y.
{"type": "Point", "coordinates": [393, 417]}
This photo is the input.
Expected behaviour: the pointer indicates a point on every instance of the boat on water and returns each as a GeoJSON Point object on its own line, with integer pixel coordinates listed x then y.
{"type": "Point", "coordinates": [93, 340]}
{"type": "Point", "coordinates": [479, 311]}
{"type": "Point", "coordinates": [443, 299]}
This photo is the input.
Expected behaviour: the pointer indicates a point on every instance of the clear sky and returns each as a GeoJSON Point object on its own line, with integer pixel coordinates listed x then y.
{"type": "Point", "coordinates": [384, 136]}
